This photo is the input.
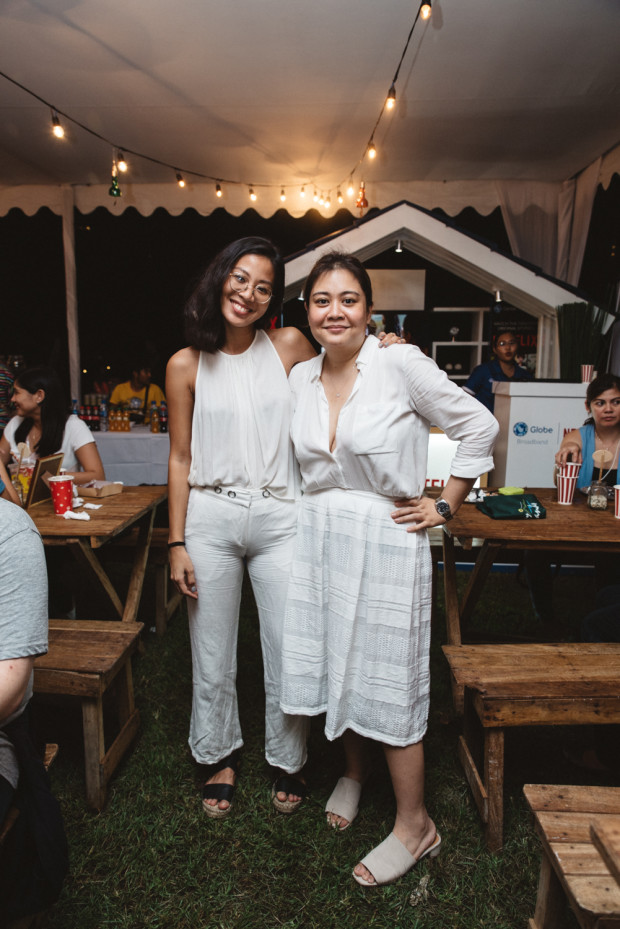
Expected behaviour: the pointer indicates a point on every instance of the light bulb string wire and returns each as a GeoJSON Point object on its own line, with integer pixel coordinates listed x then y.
{"type": "Point", "coordinates": [187, 171]}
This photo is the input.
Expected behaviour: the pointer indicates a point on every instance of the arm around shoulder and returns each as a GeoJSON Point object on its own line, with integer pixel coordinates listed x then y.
{"type": "Point", "coordinates": [291, 345]}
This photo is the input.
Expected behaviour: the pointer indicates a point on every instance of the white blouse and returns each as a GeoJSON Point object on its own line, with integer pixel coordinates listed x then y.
{"type": "Point", "coordinates": [382, 435]}
{"type": "Point", "coordinates": [241, 422]}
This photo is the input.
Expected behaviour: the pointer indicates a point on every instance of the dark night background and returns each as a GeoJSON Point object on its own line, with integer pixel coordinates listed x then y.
{"type": "Point", "coordinates": [134, 273]}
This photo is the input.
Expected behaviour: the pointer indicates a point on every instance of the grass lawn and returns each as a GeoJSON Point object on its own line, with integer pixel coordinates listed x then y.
{"type": "Point", "coordinates": [152, 859]}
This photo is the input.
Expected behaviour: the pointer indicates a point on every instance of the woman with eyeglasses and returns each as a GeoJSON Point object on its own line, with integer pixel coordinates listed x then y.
{"type": "Point", "coordinates": [503, 367]}
{"type": "Point", "coordinates": [232, 485]}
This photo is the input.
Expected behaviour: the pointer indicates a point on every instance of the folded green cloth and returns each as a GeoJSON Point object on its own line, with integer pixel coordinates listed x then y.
{"type": "Point", "coordinates": [523, 506]}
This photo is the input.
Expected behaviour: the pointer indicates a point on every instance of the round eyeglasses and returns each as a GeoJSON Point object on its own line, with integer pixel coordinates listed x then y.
{"type": "Point", "coordinates": [262, 293]}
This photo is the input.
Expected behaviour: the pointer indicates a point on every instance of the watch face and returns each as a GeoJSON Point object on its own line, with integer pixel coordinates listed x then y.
{"type": "Point", "coordinates": [443, 508]}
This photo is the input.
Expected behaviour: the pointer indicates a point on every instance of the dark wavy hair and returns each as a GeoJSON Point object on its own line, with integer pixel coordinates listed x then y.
{"type": "Point", "coordinates": [333, 261]}
{"type": "Point", "coordinates": [597, 387]}
{"type": "Point", "coordinates": [203, 322]}
{"type": "Point", "coordinates": [54, 409]}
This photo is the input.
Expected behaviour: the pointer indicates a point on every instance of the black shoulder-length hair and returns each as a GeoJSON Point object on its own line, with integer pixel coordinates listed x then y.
{"type": "Point", "coordinates": [54, 409]}
{"type": "Point", "coordinates": [597, 387]}
{"type": "Point", "coordinates": [203, 321]}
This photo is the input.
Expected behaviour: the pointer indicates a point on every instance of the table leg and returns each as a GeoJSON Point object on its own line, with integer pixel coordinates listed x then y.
{"type": "Point", "coordinates": [130, 613]}
{"type": "Point", "coordinates": [453, 622]}
{"type": "Point", "coordinates": [83, 553]}
{"type": "Point", "coordinates": [494, 784]}
{"type": "Point", "coordinates": [478, 576]}
{"type": "Point", "coordinates": [551, 901]}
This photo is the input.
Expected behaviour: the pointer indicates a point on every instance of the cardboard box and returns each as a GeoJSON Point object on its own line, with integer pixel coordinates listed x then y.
{"type": "Point", "coordinates": [100, 489]}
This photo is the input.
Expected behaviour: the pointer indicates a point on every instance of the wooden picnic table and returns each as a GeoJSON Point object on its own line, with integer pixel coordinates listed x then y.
{"type": "Point", "coordinates": [574, 528]}
{"type": "Point", "coordinates": [135, 506]}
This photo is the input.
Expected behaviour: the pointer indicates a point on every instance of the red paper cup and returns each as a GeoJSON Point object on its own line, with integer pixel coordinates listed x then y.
{"type": "Point", "coordinates": [571, 469]}
{"type": "Point", "coordinates": [617, 501]}
{"type": "Point", "coordinates": [566, 489]}
{"type": "Point", "coordinates": [586, 373]}
{"type": "Point", "coordinates": [62, 493]}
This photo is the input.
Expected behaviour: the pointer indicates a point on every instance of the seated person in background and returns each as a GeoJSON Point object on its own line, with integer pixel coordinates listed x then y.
{"type": "Point", "coordinates": [45, 425]}
{"type": "Point", "coordinates": [501, 368]}
{"type": "Point", "coordinates": [33, 855]}
{"type": "Point", "coordinates": [6, 389]}
{"type": "Point", "coordinates": [601, 431]}
{"type": "Point", "coordinates": [137, 393]}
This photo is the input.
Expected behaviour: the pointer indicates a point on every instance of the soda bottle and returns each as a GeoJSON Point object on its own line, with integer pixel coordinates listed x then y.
{"type": "Point", "coordinates": [163, 417]}
{"type": "Point", "coordinates": [104, 424]}
{"type": "Point", "coordinates": [154, 417]}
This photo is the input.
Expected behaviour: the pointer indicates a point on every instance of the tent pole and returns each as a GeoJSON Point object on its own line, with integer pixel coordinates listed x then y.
{"type": "Point", "coordinates": [68, 244]}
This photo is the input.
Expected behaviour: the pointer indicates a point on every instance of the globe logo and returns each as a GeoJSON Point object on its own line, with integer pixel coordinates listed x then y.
{"type": "Point", "coordinates": [520, 429]}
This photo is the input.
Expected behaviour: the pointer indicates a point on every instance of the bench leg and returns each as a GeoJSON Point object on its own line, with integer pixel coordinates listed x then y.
{"type": "Point", "coordinates": [551, 901]}
{"type": "Point", "coordinates": [94, 751]}
{"type": "Point", "coordinates": [494, 784]}
{"type": "Point", "coordinates": [161, 598]}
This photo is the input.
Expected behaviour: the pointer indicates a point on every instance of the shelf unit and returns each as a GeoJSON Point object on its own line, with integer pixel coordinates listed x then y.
{"type": "Point", "coordinates": [458, 357]}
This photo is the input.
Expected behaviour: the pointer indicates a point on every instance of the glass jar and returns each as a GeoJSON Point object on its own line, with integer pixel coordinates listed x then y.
{"type": "Point", "coordinates": [597, 496]}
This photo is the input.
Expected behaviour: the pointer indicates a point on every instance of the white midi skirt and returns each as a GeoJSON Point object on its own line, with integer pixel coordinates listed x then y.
{"type": "Point", "coordinates": [357, 624]}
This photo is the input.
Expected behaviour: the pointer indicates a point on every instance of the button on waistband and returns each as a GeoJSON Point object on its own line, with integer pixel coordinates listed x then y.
{"type": "Point", "coordinates": [266, 493]}
{"type": "Point", "coordinates": [217, 490]}
{"type": "Point", "coordinates": [231, 493]}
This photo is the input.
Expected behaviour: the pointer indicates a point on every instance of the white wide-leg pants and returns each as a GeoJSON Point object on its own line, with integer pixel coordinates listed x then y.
{"type": "Point", "coordinates": [226, 530]}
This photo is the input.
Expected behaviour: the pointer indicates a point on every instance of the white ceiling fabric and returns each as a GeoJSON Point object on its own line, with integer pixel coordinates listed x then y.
{"type": "Point", "coordinates": [285, 93]}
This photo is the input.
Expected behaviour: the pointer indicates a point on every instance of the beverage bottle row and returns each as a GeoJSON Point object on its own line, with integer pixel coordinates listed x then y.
{"type": "Point", "coordinates": [99, 419]}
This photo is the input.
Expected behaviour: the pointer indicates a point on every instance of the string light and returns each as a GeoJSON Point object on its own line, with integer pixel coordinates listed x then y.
{"type": "Point", "coordinates": [282, 195]}
{"type": "Point", "coordinates": [252, 194]}
{"type": "Point", "coordinates": [391, 98]}
{"type": "Point", "coordinates": [399, 247]}
{"type": "Point", "coordinates": [425, 10]}
{"type": "Point", "coordinates": [339, 197]}
{"type": "Point", "coordinates": [372, 151]}
{"type": "Point", "coordinates": [350, 188]}
{"type": "Point", "coordinates": [180, 179]}
{"type": "Point", "coordinates": [218, 190]}
{"type": "Point", "coordinates": [321, 199]}
{"type": "Point", "coordinates": [315, 196]}
{"type": "Point", "coordinates": [122, 164]}
{"type": "Point", "coordinates": [57, 129]}
{"type": "Point", "coordinates": [302, 192]}
{"type": "Point", "coordinates": [328, 202]}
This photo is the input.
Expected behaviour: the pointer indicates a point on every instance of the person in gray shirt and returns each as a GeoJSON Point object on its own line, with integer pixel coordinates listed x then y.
{"type": "Point", "coordinates": [23, 628]}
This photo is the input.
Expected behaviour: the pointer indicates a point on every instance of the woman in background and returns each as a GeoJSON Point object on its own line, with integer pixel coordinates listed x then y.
{"type": "Point", "coordinates": [45, 425]}
{"type": "Point", "coordinates": [357, 626]}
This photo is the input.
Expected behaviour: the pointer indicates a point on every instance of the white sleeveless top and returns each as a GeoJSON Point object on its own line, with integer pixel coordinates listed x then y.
{"type": "Point", "coordinates": [241, 422]}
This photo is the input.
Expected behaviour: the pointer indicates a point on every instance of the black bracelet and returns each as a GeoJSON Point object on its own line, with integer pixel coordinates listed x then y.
{"type": "Point", "coordinates": [174, 544]}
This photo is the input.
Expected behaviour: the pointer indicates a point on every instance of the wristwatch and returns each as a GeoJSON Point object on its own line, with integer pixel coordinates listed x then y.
{"type": "Point", "coordinates": [443, 508]}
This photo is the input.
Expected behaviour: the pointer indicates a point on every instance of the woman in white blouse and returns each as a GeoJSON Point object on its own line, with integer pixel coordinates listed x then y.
{"type": "Point", "coordinates": [357, 628]}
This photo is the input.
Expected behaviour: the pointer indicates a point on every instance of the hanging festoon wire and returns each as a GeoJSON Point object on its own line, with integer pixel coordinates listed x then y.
{"type": "Point", "coordinates": [120, 163]}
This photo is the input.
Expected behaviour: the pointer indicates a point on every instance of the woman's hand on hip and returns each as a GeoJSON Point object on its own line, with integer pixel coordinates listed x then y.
{"type": "Point", "coordinates": [182, 572]}
{"type": "Point", "coordinates": [417, 514]}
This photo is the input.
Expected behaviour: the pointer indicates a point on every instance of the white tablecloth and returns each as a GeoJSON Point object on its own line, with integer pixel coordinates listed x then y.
{"type": "Point", "coordinates": [136, 457]}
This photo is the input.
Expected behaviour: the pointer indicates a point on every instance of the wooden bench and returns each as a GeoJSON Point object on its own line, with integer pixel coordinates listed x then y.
{"type": "Point", "coordinates": [572, 868]}
{"type": "Point", "coordinates": [525, 685]}
{"type": "Point", "coordinates": [88, 660]}
{"type": "Point", "coordinates": [167, 597]}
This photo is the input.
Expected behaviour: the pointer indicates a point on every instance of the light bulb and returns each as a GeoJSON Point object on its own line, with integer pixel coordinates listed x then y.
{"type": "Point", "coordinates": [57, 129]}
{"type": "Point", "coordinates": [350, 188]}
{"type": "Point", "coordinates": [282, 195]}
{"type": "Point", "coordinates": [302, 192]}
{"type": "Point", "coordinates": [399, 246]}
{"type": "Point", "coordinates": [180, 179]}
{"type": "Point", "coordinates": [425, 10]}
{"type": "Point", "coordinates": [321, 199]}
{"type": "Point", "coordinates": [391, 98]}
{"type": "Point", "coordinates": [339, 197]}
{"type": "Point", "coordinates": [252, 194]}
{"type": "Point", "coordinates": [122, 164]}
{"type": "Point", "coordinates": [218, 190]}
{"type": "Point", "coordinates": [328, 202]}
{"type": "Point", "coordinates": [372, 151]}
{"type": "Point", "coordinates": [315, 196]}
